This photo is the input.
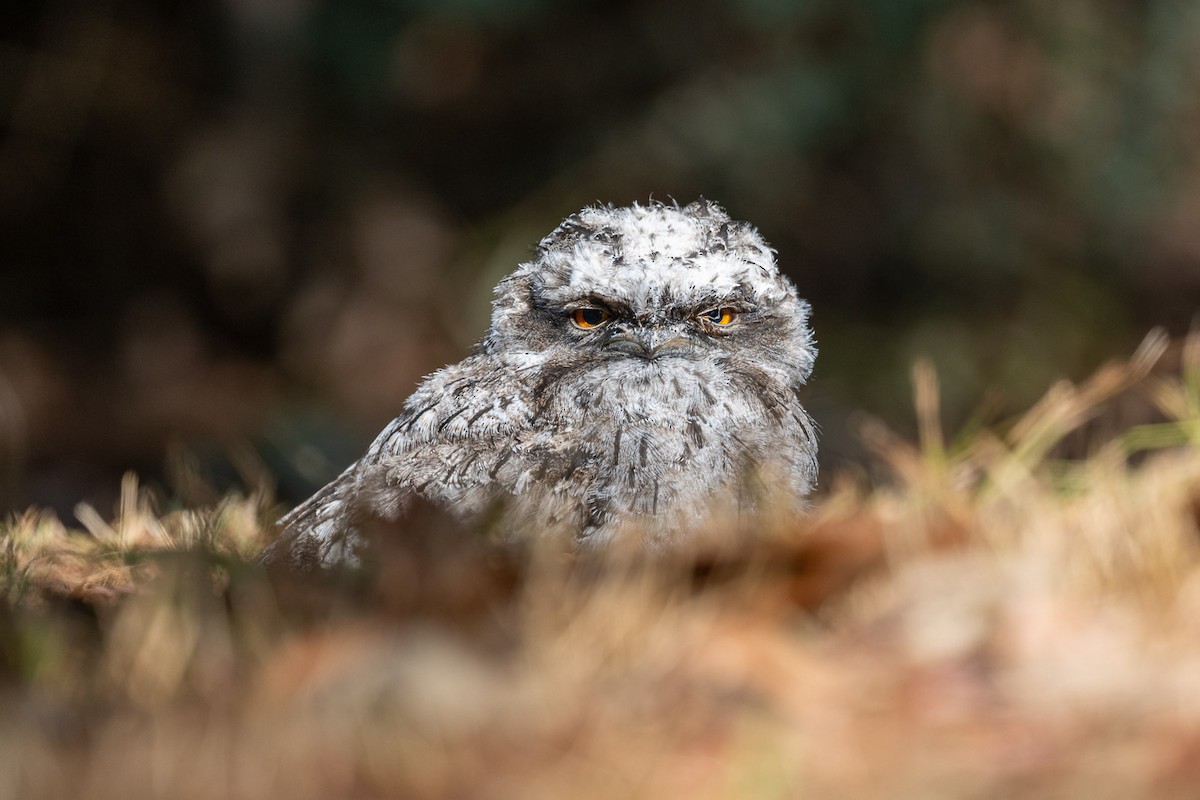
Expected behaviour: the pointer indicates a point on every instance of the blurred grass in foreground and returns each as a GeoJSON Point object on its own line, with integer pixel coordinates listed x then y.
{"type": "Point", "coordinates": [991, 621]}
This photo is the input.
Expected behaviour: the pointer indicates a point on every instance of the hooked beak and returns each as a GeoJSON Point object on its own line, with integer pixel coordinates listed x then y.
{"type": "Point", "coordinates": [649, 343]}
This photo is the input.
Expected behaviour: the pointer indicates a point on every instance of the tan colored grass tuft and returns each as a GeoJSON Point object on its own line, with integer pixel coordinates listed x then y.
{"type": "Point", "coordinates": [106, 560]}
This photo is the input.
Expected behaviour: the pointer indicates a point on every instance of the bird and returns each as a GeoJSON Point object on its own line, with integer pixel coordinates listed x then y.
{"type": "Point", "coordinates": [643, 371]}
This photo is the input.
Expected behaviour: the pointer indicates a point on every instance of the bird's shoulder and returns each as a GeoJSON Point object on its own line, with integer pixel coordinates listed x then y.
{"type": "Point", "coordinates": [483, 398]}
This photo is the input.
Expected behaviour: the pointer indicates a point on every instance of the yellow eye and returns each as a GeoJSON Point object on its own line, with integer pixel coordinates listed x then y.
{"type": "Point", "coordinates": [720, 316]}
{"type": "Point", "coordinates": [589, 317]}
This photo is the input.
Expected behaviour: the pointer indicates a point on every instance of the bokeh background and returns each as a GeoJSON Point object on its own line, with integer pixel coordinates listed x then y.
{"type": "Point", "coordinates": [233, 236]}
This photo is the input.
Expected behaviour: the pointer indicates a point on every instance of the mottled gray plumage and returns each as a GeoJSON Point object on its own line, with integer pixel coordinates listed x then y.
{"type": "Point", "coordinates": [680, 401]}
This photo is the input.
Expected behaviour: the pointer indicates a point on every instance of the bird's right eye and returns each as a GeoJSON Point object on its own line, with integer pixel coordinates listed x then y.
{"type": "Point", "coordinates": [589, 317]}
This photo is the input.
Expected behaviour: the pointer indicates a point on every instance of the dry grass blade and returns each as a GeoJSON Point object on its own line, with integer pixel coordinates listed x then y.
{"type": "Point", "coordinates": [926, 395]}
{"type": "Point", "coordinates": [1065, 407]}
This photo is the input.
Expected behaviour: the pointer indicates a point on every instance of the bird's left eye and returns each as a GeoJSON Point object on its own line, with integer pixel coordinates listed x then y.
{"type": "Point", "coordinates": [589, 317]}
{"type": "Point", "coordinates": [722, 316]}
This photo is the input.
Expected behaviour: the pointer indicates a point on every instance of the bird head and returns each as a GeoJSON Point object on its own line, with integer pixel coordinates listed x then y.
{"type": "Point", "coordinates": [655, 283]}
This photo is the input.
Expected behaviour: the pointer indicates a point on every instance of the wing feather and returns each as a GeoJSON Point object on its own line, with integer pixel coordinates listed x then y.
{"type": "Point", "coordinates": [461, 422]}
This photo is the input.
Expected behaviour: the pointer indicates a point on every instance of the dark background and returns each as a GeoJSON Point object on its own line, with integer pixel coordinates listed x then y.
{"type": "Point", "coordinates": [234, 236]}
